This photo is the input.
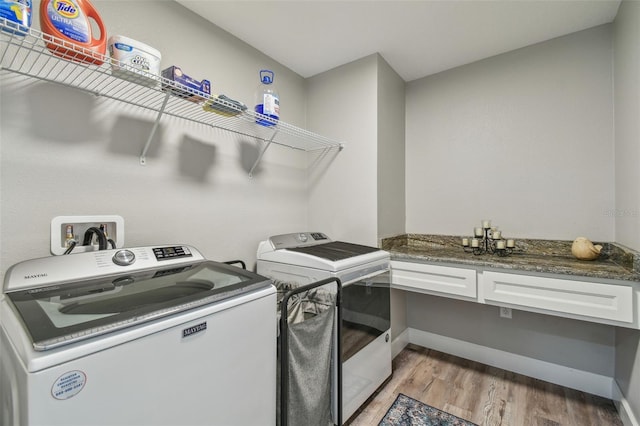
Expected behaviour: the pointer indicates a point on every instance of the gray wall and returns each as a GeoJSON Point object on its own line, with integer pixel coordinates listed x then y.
{"type": "Point", "coordinates": [391, 172]}
{"type": "Point", "coordinates": [342, 104]}
{"type": "Point", "coordinates": [627, 362]}
{"type": "Point", "coordinates": [627, 125]}
{"type": "Point", "coordinates": [571, 343]}
{"type": "Point", "coordinates": [391, 152]}
{"type": "Point", "coordinates": [627, 111]}
{"type": "Point", "coordinates": [65, 152]}
{"type": "Point", "coordinates": [524, 138]}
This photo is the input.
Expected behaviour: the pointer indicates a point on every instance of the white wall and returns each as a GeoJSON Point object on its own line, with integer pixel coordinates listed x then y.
{"type": "Point", "coordinates": [524, 138]}
{"type": "Point", "coordinates": [391, 172]}
{"type": "Point", "coordinates": [627, 160]}
{"type": "Point", "coordinates": [342, 104]}
{"type": "Point", "coordinates": [64, 152]}
{"type": "Point", "coordinates": [627, 125]}
{"type": "Point", "coordinates": [391, 152]}
{"type": "Point", "coordinates": [571, 343]}
{"type": "Point", "coordinates": [358, 194]}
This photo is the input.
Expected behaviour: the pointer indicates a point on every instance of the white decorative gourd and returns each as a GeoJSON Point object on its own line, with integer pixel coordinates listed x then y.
{"type": "Point", "coordinates": [584, 249]}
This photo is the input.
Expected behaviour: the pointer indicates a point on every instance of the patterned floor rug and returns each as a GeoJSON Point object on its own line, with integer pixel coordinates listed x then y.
{"type": "Point", "coordinates": [407, 411]}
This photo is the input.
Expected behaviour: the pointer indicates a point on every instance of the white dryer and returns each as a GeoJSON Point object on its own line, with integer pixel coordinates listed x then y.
{"type": "Point", "coordinates": [305, 257]}
{"type": "Point", "coordinates": [140, 336]}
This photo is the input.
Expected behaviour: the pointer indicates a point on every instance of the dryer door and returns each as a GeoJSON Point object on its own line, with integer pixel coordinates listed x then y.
{"type": "Point", "coordinates": [366, 312]}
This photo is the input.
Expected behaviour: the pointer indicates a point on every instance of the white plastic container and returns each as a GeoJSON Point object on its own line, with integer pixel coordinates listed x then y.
{"type": "Point", "coordinates": [134, 60]}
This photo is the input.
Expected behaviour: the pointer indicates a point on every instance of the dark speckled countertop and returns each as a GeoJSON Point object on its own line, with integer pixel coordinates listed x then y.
{"type": "Point", "coordinates": [541, 256]}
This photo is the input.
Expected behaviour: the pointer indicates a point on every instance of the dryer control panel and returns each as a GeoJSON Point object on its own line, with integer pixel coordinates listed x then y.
{"type": "Point", "coordinates": [298, 239]}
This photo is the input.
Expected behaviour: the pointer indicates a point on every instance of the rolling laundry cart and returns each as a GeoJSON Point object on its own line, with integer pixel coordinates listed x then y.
{"type": "Point", "coordinates": [309, 351]}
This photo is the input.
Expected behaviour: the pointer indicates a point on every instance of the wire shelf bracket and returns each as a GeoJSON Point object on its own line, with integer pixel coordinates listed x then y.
{"type": "Point", "coordinates": [143, 154]}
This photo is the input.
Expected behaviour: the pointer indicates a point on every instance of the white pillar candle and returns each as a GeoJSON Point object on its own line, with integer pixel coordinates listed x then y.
{"type": "Point", "coordinates": [486, 224]}
{"type": "Point", "coordinates": [475, 242]}
{"type": "Point", "coordinates": [500, 244]}
{"type": "Point", "coordinates": [477, 232]}
{"type": "Point", "coordinates": [511, 243]}
{"type": "Point", "coordinates": [496, 235]}
{"type": "Point", "coordinates": [465, 242]}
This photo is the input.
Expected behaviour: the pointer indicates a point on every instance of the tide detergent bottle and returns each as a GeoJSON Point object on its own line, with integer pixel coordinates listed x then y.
{"type": "Point", "coordinates": [68, 22]}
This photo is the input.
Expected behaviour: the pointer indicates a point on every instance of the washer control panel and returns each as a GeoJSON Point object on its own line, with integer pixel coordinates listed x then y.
{"type": "Point", "coordinates": [47, 271]}
{"type": "Point", "coordinates": [163, 253]}
{"type": "Point", "coordinates": [298, 239]}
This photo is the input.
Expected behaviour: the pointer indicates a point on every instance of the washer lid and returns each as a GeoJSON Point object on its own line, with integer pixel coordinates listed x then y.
{"type": "Point", "coordinates": [335, 250]}
{"type": "Point", "coordinates": [321, 258]}
{"type": "Point", "coordinates": [66, 313]}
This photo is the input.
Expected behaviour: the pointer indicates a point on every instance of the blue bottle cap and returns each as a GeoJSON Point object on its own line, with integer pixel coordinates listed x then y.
{"type": "Point", "coordinates": [266, 76]}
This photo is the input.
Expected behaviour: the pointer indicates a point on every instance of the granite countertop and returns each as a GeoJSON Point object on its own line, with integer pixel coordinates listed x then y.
{"type": "Point", "coordinates": [541, 256]}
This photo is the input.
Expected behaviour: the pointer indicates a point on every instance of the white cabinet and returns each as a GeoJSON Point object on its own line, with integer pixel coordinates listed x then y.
{"type": "Point", "coordinates": [570, 298]}
{"type": "Point", "coordinates": [614, 303]}
{"type": "Point", "coordinates": [445, 281]}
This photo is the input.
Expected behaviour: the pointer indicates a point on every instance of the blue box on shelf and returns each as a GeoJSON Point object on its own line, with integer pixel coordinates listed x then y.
{"type": "Point", "coordinates": [187, 87]}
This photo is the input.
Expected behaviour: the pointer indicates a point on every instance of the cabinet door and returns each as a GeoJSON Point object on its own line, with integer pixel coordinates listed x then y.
{"type": "Point", "coordinates": [434, 279]}
{"type": "Point", "coordinates": [589, 299]}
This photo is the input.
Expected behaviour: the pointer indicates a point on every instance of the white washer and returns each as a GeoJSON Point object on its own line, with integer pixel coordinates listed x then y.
{"type": "Point", "coordinates": [305, 257]}
{"type": "Point", "coordinates": [143, 336]}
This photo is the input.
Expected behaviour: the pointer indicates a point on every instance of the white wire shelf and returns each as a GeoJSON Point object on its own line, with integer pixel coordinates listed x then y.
{"type": "Point", "coordinates": [27, 54]}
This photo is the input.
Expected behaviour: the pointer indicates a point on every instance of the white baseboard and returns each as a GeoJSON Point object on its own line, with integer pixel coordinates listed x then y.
{"type": "Point", "coordinates": [565, 376]}
{"type": "Point", "coordinates": [624, 409]}
{"type": "Point", "coordinates": [399, 343]}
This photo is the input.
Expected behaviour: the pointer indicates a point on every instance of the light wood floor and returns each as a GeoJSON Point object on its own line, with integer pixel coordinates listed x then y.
{"type": "Point", "coordinates": [482, 394]}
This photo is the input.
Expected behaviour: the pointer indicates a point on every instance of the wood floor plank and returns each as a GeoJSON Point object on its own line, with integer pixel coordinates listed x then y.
{"type": "Point", "coordinates": [515, 401]}
{"type": "Point", "coordinates": [483, 394]}
{"type": "Point", "coordinates": [490, 400]}
{"type": "Point", "coordinates": [575, 403]}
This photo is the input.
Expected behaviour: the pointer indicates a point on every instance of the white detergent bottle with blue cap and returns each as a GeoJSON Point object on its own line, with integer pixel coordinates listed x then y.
{"type": "Point", "coordinates": [267, 100]}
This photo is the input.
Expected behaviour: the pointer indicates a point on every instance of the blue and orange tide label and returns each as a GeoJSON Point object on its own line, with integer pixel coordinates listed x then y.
{"type": "Point", "coordinates": [65, 8]}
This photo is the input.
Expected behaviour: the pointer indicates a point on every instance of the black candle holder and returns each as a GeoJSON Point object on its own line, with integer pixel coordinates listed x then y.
{"type": "Point", "coordinates": [486, 243]}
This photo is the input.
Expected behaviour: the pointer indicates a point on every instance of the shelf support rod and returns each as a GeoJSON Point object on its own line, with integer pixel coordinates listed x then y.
{"type": "Point", "coordinates": [262, 153]}
{"type": "Point", "coordinates": [143, 155]}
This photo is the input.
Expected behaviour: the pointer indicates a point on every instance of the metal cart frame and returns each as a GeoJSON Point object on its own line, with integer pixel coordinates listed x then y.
{"type": "Point", "coordinates": [284, 347]}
